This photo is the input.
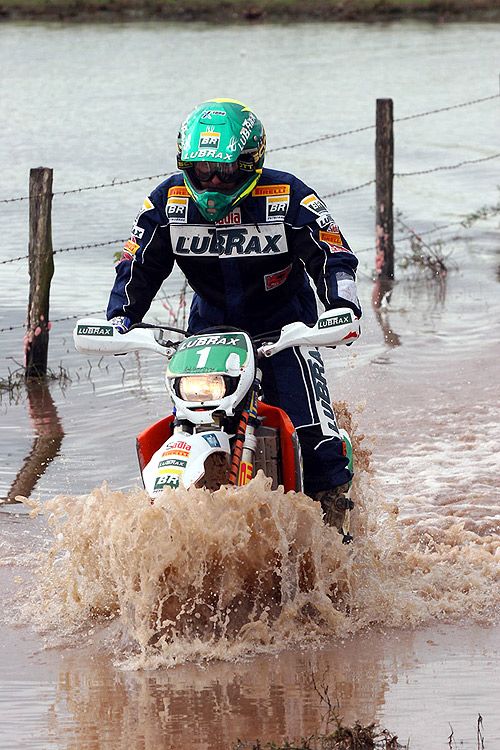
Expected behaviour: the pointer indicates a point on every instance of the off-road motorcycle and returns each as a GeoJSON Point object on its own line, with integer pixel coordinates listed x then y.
{"type": "Point", "coordinates": [220, 431]}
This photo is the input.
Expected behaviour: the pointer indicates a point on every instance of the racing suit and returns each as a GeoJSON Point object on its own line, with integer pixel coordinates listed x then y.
{"type": "Point", "coordinates": [251, 270]}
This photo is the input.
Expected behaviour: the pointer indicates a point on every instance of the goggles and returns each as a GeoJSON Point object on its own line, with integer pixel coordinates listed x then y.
{"type": "Point", "coordinates": [205, 170]}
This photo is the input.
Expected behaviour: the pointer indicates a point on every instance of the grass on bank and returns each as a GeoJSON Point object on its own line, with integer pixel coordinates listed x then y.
{"type": "Point", "coordinates": [227, 10]}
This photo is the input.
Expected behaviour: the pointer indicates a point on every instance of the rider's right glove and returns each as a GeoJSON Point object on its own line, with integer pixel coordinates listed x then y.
{"type": "Point", "coordinates": [121, 323]}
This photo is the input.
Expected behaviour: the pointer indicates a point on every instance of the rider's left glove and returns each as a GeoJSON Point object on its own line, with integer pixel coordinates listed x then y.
{"type": "Point", "coordinates": [121, 323]}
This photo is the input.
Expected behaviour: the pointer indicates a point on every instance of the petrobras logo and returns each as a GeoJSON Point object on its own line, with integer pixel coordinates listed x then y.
{"type": "Point", "coordinates": [177, 210]}
{"type": "Point", "coordinates": [338, 320]}
{"type": "Point", "coordinates": [209, 138]}
{"type": "Point", "coordinates": [314, 204]}
{"type": "Point", "coordinates": [246, 241]}
{"type": "Point", "coordinates": [164, 482]}
{"type": "Point", "coordinates": [276, 207]}
{"type": "Point", "coordinates": [233, 217]}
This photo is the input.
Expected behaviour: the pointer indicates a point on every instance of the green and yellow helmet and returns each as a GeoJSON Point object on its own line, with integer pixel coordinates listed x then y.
{"type": "Point", "coordinates": [225, 138]}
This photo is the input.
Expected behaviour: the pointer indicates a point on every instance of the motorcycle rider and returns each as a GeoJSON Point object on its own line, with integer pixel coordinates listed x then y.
{"type": "Point", "coordinates": [248, 239]}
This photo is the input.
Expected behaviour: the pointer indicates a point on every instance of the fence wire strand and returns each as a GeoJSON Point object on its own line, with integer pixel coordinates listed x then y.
{"type": "Point", "coordinates": [319, 139]}
{"type": "Point", "coordinates": [446, 166]}
{"type": "Point", "coordinates": [67, 249]}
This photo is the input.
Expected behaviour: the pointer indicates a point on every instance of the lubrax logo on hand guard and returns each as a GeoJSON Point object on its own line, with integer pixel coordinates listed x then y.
{"type": "Point", "coordinates": [238, 242]}
{"type": "Point", "coordinates": [94, 330]}
{"type": "Point", "coordinates": [339, 320]}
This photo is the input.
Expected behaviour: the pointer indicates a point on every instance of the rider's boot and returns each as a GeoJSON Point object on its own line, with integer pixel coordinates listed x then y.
{"type": "Point", "coordinates": [334, 503]}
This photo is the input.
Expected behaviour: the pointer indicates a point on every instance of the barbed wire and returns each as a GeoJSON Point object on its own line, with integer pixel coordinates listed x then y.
{"type": "Point", "coordinates": [447, 109]}
{"type": "Point", "coordinates": [113, 183]}
{"type": "Point", "coordinates": [310, 141]}
{"type": "Point", "coordinates": [323, 197]}
{"type": "Point", "coordinates": [407, 237]}
{"type": "Point", "coordinates": [348, 190]}
{"type": "Point", "coordinates": [320, 138]}
{"type": "Point", "coordinates": [55, 320]}
{"type": "Point", "coordinates": [446, 166]}
{"type": "Point", "coordinates": [67, 249]}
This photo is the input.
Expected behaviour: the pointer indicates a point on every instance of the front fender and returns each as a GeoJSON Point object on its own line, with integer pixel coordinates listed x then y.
{"type": "Point", "coordinates": [181, 460]}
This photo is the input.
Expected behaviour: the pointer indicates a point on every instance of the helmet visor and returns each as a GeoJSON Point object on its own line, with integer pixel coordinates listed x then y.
{"type": "Point", "coordinates": [204, 171]}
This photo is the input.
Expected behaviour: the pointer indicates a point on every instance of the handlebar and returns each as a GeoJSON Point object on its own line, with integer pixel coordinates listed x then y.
{"type": "Point", "coordinates": [333, 327]}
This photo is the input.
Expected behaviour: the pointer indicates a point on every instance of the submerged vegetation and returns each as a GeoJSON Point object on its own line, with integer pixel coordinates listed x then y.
{"type": "Point", "coordinates": [335, 734]}
{"type": "Point", "coordinates": [250, 10]}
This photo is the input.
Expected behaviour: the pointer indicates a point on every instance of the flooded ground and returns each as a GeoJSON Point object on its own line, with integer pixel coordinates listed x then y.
{"type": "Point", "coordinates": [410, 638]}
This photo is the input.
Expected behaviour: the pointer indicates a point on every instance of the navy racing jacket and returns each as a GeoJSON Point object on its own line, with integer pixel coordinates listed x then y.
{"type": "Point", "coordinates": [249, 270]}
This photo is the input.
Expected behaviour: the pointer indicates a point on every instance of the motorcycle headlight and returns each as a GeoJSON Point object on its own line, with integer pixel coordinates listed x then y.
{"type": "Point", "coordinates": [201, 387]}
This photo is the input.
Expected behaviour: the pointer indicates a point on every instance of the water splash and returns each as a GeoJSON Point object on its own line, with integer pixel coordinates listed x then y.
{"type": "Point", "coordinates": [202, 575]}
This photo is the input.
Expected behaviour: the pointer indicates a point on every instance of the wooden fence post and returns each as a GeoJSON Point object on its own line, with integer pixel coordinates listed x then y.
{"type": "Point", "coordinates": [41, 270]}
{"type": "Point", "coordinates": [384, 175]}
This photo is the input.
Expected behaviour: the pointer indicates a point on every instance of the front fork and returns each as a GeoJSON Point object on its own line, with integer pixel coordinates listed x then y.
{"type": "Point", "coordinates": [242, 465]}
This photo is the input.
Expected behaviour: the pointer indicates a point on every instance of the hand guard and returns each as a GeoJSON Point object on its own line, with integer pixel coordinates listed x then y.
{"type": "Point", "coordinates": [121, 323]}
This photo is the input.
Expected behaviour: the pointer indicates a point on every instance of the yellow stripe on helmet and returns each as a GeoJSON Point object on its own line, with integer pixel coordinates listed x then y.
{"type": "Point", "coordinates": [249, 189]}
{"type": "Point", "coordinates": [231, 101]}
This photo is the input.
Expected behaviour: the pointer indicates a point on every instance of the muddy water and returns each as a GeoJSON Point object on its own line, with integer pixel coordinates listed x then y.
{"type": "Point", "coordinates": [402, 626]}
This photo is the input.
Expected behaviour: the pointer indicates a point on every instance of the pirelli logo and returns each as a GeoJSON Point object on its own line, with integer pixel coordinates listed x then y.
{"type": "Point", "coordinates": [332, 238]}
{"type": "Point", "coordinates": [265, 190]}
{"type": "Point", "coordinates": [178, 190]}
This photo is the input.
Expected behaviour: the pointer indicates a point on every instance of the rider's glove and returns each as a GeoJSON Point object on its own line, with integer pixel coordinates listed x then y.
{"type": "Point", "coordinates": [121, 323]}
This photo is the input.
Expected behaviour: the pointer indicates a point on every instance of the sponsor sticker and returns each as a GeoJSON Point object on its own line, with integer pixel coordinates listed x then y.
{"type": "Point", "coordinates": [84, 330]}
{"type": "Point", "coordinates": [245, 473]}
{"type": "Point", "coordinates": [166, 480]}
{"type": "Point", "coordinates": [177, 210]}
{"type": "Point", "coordinates": [175, 452]}
{"type": "Point", "coordinates": [273, 280]}
{"type": "Point", "coordinates": [262, 190]}
{"type": "Point", "coordinates": [208, 153]}
{"type": "Point", "coordinates": [131, 246]}
{"type": "Point", "coordinates": [231, 242]}
{"type": "Point", "coordinates": [175, 463]}
{"type": "Point", "coordinates": [178, 190]}
{"type": "Point", "coordinates": [323, 402]}
{"type": "Point", "coordinates": [246, 129]}
{"type": "Point", "coordinates": [276, 207]}
{"type": "Point", "coordinates": [314, 204]}
{"type": "Point", "coordinates": [207, 114]}
{"type": "Point", "coordinates": [216, 340]}
{"type": "Point", "coordinates": [212, 440]}
{"type": "Point", "coordinates": [338, 320]}
{"type": "Point", "coordinates": [233, 217]}
{"type": "Point", "coordinates": [146, 206]}
{"type": "Point", "coordinates": [334, 242]}
{"type": "Point", "coordinates": [137, 232]}
{"type": "Point", "coordinates": [326, 222]}
{"type": "Point", "coordinates": [209, 138]}
{"type": "Point", "coordinates": [331, 238]}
